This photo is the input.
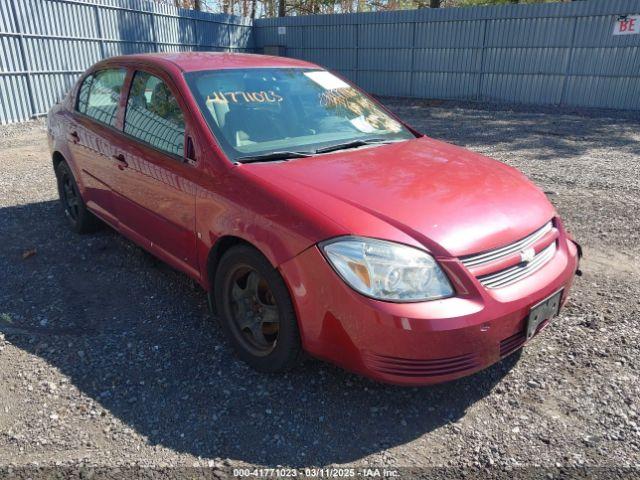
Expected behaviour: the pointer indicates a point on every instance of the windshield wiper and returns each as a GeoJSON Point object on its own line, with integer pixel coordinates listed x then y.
{"type": "Point", "coordinates": [353, 144]}
{"type": "Point", "coordinates": [286, 154]}
{"type": "Point", "coordinates": [266, 157]}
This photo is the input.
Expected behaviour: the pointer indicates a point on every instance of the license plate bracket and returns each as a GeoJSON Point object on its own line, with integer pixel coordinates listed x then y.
{"type": "Point", "coordinates": [544, 310]}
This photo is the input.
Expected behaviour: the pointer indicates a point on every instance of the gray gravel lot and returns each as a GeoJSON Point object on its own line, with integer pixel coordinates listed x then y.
{"type": "Point", "coordinates": [108, 357]}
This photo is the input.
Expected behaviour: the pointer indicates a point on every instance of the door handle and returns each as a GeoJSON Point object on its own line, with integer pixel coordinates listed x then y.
{"type": "Point", "coordinates": [120, 161]}
{"type": "Point", "coordinates": [74, 137]}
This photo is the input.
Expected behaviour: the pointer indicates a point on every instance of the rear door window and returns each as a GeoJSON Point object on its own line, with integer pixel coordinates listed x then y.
{"type": "Point", "coordinates": [100, 94]}
{"type": "Point", "coordinates": [83, 94]}
{"type": "Point", "coordinates": [153, 114]}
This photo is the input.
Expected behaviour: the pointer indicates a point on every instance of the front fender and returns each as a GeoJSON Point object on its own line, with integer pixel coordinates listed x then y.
{"type": "Point", "coordinates": [276, 223]}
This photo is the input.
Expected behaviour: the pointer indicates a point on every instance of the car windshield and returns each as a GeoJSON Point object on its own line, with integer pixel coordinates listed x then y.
{"type": "Point", "coordinates": [270, 112]}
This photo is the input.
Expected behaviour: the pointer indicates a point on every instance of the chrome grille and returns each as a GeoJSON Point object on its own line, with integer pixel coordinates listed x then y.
{"type": "Point", "coordinates": [499, 253]}
{"type": "Point", "coordinates": [513, 274]}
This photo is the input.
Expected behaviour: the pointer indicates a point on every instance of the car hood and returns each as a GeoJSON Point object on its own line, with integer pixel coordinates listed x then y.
{"type": "Point", "coordinates": [420, 191]}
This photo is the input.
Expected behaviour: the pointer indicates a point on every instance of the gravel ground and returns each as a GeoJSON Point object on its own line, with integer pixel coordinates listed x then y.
{"type": "Point", "coordinates": [109, 358]}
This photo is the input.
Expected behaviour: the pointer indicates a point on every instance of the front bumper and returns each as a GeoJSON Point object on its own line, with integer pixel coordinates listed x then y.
{"type": "Point", "coordinates": [419, 343]}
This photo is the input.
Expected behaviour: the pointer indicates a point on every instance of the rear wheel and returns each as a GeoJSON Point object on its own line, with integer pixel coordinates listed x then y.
{"type": "Point", "coordinates": [80, 218]}
{"type": "Point", "coordinates": [256, 312]}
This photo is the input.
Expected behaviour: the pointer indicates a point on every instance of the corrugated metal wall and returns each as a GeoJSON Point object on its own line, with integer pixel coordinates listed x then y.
{"type": "Point", "coordinates": [45, 44]}
{"type": "Point", "coordinates": [555, 53]}
{"type": "Point", "coordinates": [558, 53]}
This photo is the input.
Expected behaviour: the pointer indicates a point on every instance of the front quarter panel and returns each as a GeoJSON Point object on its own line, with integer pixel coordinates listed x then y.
{"type": "Point", "coordinates": [274, 221]}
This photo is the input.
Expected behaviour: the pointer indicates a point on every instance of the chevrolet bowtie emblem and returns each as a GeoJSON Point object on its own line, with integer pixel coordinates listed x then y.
{"type": "Point", "coordinates": [527, 255]}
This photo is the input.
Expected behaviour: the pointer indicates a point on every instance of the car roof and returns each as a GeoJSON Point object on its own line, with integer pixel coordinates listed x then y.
{"type": "Point", "coordinates": [194, 61]}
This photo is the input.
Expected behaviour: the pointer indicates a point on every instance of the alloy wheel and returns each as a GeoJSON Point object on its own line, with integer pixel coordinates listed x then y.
{"type": "Point", "coordinates": [71, 197]}
{"type": "Point", "coordinates": [253, 309]}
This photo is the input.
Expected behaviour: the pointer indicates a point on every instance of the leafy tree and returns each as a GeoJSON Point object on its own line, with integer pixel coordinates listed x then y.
{"type": "Point", "coordinates": [271, 8]}
{"type": "Point", "coordinates": [468, 3]}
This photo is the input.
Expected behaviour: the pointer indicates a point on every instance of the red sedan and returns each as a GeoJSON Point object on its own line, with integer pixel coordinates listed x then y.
{"type": "Point", "coordinates": [316, 220]}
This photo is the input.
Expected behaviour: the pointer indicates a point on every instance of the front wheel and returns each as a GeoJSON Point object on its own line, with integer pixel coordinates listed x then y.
{"type": "Point", "coordinates": [80, 218]}
{"type": "Point", "coordinates": [256, 312]}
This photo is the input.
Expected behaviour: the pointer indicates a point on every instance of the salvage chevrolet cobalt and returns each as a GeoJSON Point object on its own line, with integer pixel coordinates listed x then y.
{"type": "Point", "coordinates": [315, 219]}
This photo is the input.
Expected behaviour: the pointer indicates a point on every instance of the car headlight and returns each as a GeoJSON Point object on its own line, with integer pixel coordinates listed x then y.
{"type": "Point", "coordinates": [387, 270]}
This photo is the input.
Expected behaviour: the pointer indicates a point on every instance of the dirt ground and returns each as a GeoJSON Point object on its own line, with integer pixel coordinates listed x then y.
{"type": "Point", "coordinates": [110, 358]}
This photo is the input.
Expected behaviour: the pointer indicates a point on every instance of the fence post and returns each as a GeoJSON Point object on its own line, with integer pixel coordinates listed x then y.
{"type": "Point", "coordinates": [196, 42]}
{"type": "Point", "coordinates": [154, 37]}
{"type": "Point", "coordinates": [567, 66]}
{"type": "Point", "coordinates": [482, 55]}
{"type": "Point", "coordinates": [23, 56]}
{"type": "Point", "coordinates": [99, 30]}
{"type": "Point", "coordinates": [412, 72]}
{"type": "Point", "coordinates": [357, 52]}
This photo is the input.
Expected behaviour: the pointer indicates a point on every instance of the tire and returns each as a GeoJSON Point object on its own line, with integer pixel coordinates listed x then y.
{"type": "Point", "coordinates": [81, 220]}
{"type": "Point", "coordinates": [247, 315]}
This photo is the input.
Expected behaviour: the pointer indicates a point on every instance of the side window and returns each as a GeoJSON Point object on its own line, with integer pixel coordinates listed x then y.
{"type": "Point", "coordinates": [153, 114]}
{"type": "Point", "coordinates": [83, 94]}
{"type": "Point", "coordinates": [103, 90]}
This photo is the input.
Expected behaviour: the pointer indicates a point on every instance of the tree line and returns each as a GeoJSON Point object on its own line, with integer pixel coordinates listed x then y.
{"type": "Point", "coordinates": [282, 8]}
